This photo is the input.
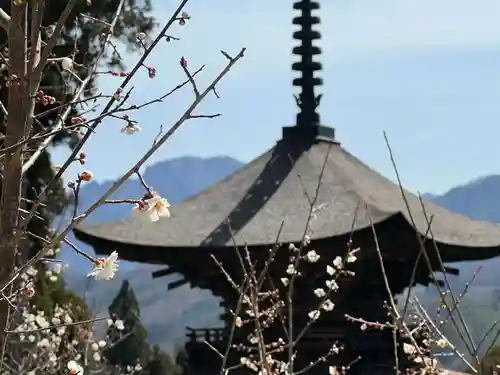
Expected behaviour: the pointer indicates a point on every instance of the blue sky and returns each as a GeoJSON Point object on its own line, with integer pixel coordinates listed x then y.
{"type": "Point", "coordinates": [426, 72]}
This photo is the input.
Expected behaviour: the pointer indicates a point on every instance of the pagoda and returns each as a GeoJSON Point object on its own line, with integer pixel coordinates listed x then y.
{"type": "Point", "coordinates": [272, 195]}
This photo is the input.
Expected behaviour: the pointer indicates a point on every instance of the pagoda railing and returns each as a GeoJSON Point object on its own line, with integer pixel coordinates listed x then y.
{"type": "Point", "coordinates": [219, 334]}
{"type": "Point", "coordinates": [316, 336]}
{"type": "Point", "coordinates": [373, 347]}
{"type": "Point", "coordinates": [210, 335]}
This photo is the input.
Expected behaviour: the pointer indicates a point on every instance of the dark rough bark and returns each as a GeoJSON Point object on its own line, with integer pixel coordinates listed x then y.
{"type": "Point", "coordinates": [12, 163]}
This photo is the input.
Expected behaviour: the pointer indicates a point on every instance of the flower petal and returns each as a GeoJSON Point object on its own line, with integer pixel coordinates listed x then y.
{"type": "Point", "coordinates": [163, 212]}
{"type": "Point", "coordinates": [153, 216]}
{"type": "Point", "coordinates": [151, 202]}
{"type": "Point", "coordinates": [93, 273]}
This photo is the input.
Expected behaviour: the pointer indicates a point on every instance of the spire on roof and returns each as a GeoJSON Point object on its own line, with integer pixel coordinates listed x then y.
{"type": "Point", "coordinates": [307, 100]}
{"type": "Point", "coordinates": [308, 120]}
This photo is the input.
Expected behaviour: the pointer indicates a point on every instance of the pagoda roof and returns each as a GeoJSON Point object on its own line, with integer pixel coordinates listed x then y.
{"type": "Point", "coordinates": [272, 194]}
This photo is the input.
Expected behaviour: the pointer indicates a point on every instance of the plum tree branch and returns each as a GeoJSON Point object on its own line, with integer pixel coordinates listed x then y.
{"type": "Point", "coordinates": [4, 20]}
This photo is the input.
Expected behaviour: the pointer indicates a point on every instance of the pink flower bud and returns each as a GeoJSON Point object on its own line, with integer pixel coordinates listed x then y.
{"type": "Point", "coordinates": [151, 72]}
{"type": "Point", "coordinates": [184, 62]}
{"type": "Point", "coordinates": [86, 176]}
{"type": "Point", "coordinates": [77, 120]}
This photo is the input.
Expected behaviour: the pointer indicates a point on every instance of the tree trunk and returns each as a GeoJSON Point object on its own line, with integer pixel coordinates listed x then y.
{"type": "Point", "coordinates": [13, 159]}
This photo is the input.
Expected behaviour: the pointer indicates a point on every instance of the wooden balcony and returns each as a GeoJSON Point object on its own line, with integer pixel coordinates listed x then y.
{"type": "Point", "coordinates": [209, 335]}
{"type": "Point", "coordinates": [200, 346]}
{"type": "Point", "coordinates": [315, 337]}
{"type": "Point", "coordinates": [375, 347]}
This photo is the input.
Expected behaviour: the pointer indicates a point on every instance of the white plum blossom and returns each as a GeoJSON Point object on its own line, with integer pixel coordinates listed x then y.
{"type": "Point", "coordinates": [74, 368]}
{"type": "Point", "coordinates": [314, 314]}
{"type": "Point", "coordinates": [331, 284]}
{"type": "Point", "coordinates": [319, 292]}
{"type": "Point", "coordinates": [312, 256]}
{"type": "Point", "coordinates": [131, 128]}
{"type": "Point", "coordinates": [119, 325]}
{"type": "Point", "coordinates": [337, 262]}
{"type": "Point", "coordinates": [409, 349]}
{"type": "Point", "coordinates": [67, 63]}
{"type": "Point", "coordinates": [291, 269]}
{"type": "Point", "coordinates": [44, 343]}
{"type": "Point", "coordinates": [41, 321]}
{"type": "Point", "coordinates": [249, 363]}
{"type": "Point", "coordinates": [351, 258]}
{"type": "Point", "coordinates": [328, 305]}
{"type": "Point", "coordinates": [105, 268]}
{"type": "Point", "coordinates": [57, 268]}
{"type": "Point", "coordinates": [285, 281]}
{"type": "Point", "coordinates": [48, 345]}
{"type": "Point", "coordinates": [31, 271]}
{"type": "Point", "coordinates": [153, 209]}
{"type": "Point", "coordinates": [330, 270]}
{"type": "Point", "coordinates": [306, 240]}
{"type": "Point", "coordinates": [30, 318]}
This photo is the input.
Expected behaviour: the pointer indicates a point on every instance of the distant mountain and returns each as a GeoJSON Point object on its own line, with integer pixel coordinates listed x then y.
{"type": "Point", "coordinates": [479, 199]}
{"type": "Point", "coordinates": [167, 313]}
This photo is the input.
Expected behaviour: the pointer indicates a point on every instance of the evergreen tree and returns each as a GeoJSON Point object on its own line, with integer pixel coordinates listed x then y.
{"type": "Point", "coordinates": [160, 363]}
{"type": "Point", "coordinates": [129, 345]}
{"type": "Point", "coordinates": [182, 361]}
